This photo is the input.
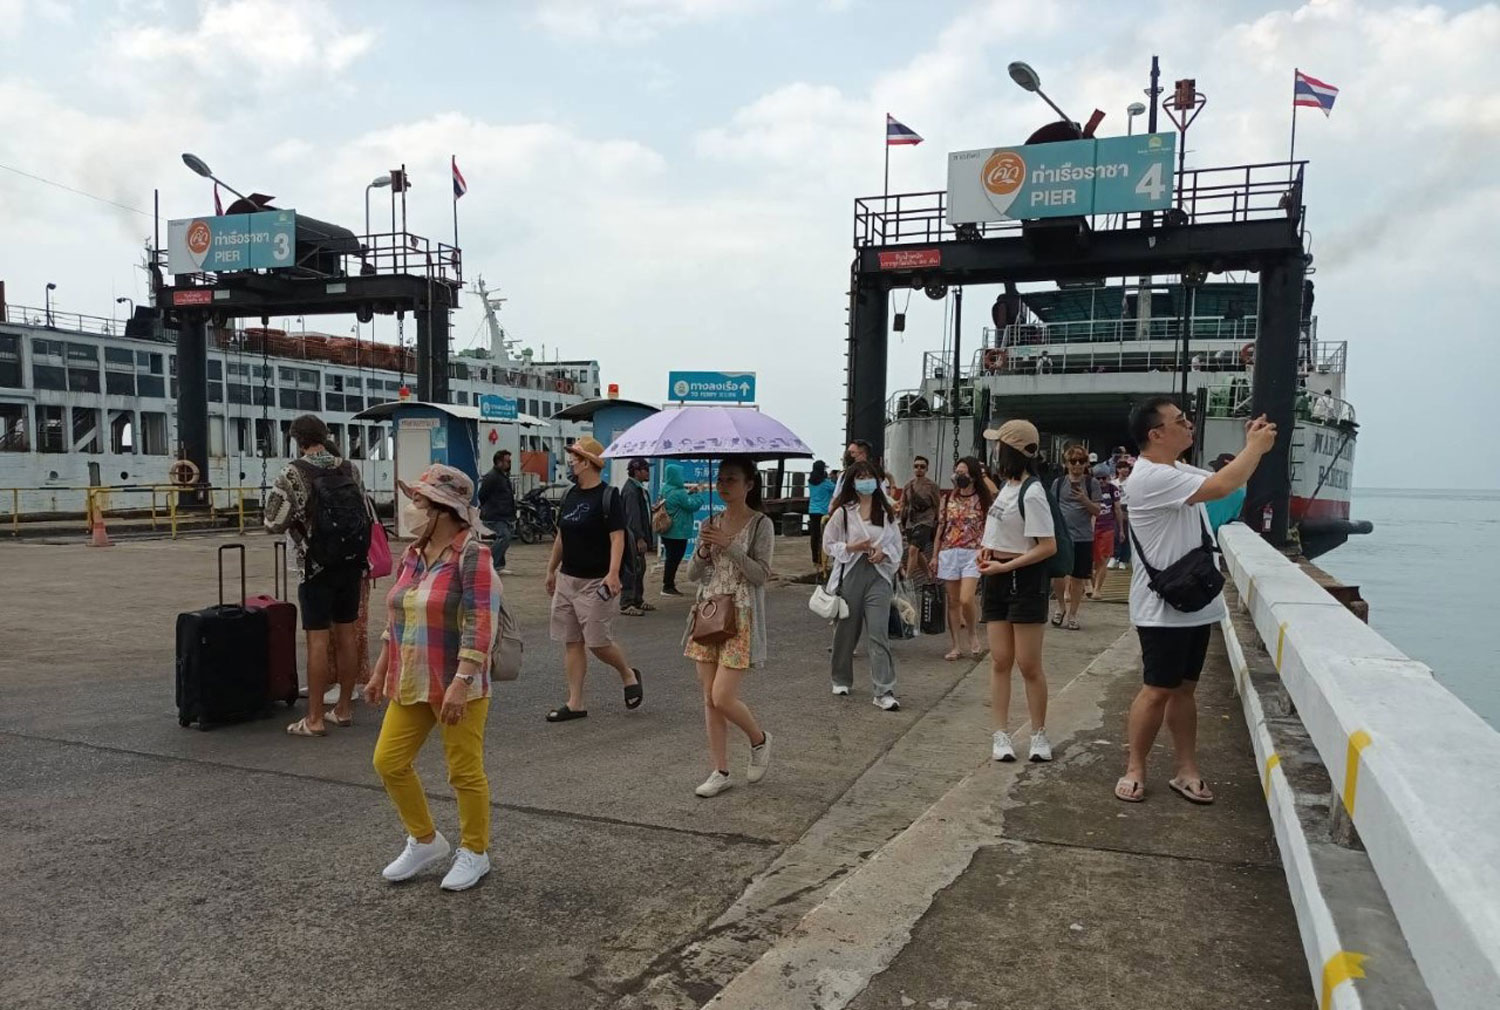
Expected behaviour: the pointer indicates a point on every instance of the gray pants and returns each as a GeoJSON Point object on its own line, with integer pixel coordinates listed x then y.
{"type": "Point", "coordinates": [869, 596]}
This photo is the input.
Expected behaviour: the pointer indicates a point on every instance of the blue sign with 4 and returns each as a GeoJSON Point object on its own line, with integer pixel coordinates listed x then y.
{"type": "Point", "coordinates": [711, 387]}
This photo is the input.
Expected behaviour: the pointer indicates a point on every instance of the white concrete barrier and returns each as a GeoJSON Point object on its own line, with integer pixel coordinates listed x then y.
{"type": "Point", "coordinates": [1417, 770]}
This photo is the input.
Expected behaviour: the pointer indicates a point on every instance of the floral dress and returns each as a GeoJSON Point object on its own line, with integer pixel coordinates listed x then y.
{"type": "Point", "coordinates": [726, 579]}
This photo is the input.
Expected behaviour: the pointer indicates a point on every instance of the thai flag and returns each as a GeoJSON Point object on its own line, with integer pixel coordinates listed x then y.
{"type": "Point", "coordinates": [897, 133]}
{"type": "Point", "coordinates": [1312, 92]}
{"type": "Point", "coordinates": [459, 186]}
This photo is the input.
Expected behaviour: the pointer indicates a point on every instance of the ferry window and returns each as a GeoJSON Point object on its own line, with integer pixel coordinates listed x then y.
{"type": "Point", "coordinates": [172, 364]}
{"type": "Point", "coordinates": [287, 374]}
{"type": "Point", "coordinates": [49, 377]}
{"type": "Point", "coordinates": [353, 382]}
{"type": "Point", "coordinates": [216, 392]}
{"type": "Point", "coordinates": [239, 393]}
{"type": "Point", "coordinates": [46, 348]}
{"type": "Point", "coordinates": [148, 361]}
{"type": "Point", "coordinates": [49, 429]}
{"type": "Point", "coordinates": [335, 382]}
{"type": "Point", "coordinates": [238, 368]}
{"type": "Point", "coordinates": [286, 439]}
{"type": "Point", "coordinates": [265, 437]}
{"type": "Point", "coordinates": [461, 397]}
{"type": "Point", "coordinates": [215, 368]}
{"type": "Point", "coordinates": [354, 403]}
{"type": "Point", "coordinates": [259, 371]}
{"type": "Point", "coordinates": [119, 356]}
{"type": "Point", "coordinates": [150, 385]}
{"type": "Point", "coordinates": [216, 436]}
{"type": "Point", "coordinates": [121, 432]}
{"type": "Point", "coordinates": [337, 432]}
{"type": "Point", "coordinates": [335, 400]}
{"type": "Point", "coordinates": [262, 396]}
{"type": "Point", "coordinates": [174, 389]}
{"type": "Point", "coordinates": [153, 433]}
{"type": "Point", "coordinates": [241, 428]}
{"type": "Point", "coordinates": [119, 383]}
{"type": "Point", "coordinates": [356, 441]}
{"type": "Point", "coordinates": [10, 361]}
{"type": "Point", "coordinates": [484, 375]}
{"type": "Point", "coordinates": [86, 430]}
{"type": "Point", "coordinates": [380, 446]}
{"type": "Point", "coordinates": [83, 380]}
{"type": "Point", "coordinates": [289, 399]}
{"type": "Point", "coordinates": [308, 376]}
{"type": "Point", "coordinates": [308, 399]}
{"type": "Point", "coordinates": [13, 436]}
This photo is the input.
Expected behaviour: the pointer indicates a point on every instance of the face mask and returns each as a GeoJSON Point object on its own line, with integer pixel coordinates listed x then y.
{"type": "Point", "coordinates": [961, 480]}
{"type": "Point", "coordinates": [866, 485]}
{"type": "Point", "coordinates": [415, 517]}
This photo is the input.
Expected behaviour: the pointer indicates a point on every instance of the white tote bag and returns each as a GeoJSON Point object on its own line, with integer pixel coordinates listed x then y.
{"type": "Point", "coordinates": [829, 605]}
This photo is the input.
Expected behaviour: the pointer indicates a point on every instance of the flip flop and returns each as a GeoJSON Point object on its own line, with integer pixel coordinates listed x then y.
{"type": "Point", "coordinates": [953, 656]}
{"type": "Point", "coordinates": [1129, 790]}
{"type": "Point", "coordinates": [1192, 790]}
{"type": "Point", "coordinates": [635, 693]}
{"type": "Point", "coordinates": [301, 728]}
{"type": "Point", "coordinates": [563, 713]}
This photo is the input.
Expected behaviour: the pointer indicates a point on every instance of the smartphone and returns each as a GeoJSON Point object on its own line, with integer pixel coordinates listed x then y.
{"type": "Point", "coordinates": [604, 593]}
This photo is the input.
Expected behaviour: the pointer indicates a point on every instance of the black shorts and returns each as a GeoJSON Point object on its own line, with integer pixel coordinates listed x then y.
{"type": "Point", "coordinates": [1172, 655]}
{"type": "Point", "coordinates": [1019, 597]}
{"type": "Point", "coordinates": [1083, 559]}
{"type": "Point", "coordinates": [329, 598]}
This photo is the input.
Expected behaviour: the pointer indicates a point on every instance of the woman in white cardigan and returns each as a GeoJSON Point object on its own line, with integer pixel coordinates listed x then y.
{"type": "Point", "coordinates": [863, 544]}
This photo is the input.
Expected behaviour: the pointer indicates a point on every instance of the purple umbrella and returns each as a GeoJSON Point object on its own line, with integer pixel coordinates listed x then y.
{"type": "Point", "coordinates": [703, 432]}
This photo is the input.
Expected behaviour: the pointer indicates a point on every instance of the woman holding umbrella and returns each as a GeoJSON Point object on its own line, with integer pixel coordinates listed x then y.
{"type": "Point", "coordinates": [731, 564]}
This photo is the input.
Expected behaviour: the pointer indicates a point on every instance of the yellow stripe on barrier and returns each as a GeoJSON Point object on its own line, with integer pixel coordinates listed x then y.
{"type": "Point", "coordinates": [1340, 968]}
{"type": "Point", "coordinates": [1280, 643]}
{"type": "Point", "coordinates": [1358, 741]}
{"type": "Point", "coordinates": [1271, 762]}
{"type": "Point", "coordinates": [1250, 596]}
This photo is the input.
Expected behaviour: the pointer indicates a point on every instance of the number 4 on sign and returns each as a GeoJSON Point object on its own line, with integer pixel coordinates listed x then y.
{"type": "Point", "coordinates": [1151, 185]}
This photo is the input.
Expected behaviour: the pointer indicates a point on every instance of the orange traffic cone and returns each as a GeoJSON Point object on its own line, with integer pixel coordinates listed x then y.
{"type": "Point", "coordinates": [99, 536]}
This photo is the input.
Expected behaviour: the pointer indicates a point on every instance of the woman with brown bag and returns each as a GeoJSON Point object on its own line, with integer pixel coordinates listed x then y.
{"type": "Point", "coordinates": [726, 632]}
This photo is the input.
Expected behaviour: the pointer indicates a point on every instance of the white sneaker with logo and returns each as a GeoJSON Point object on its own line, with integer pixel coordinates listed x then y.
{"type": "Point", "coordinates": [1041, 748]}
{"type": "Point", "coordinates": [760, 760]}
{"type": "Point", "coordinates": [888, 703]}
{"type": "Point", "coordinates": [467, 870]}
{"type": "Point", "coordinates": [1000, 748]}
{"type": "Point", "coordinates": [417, 857]}
{"type": "Point", "coordinates": [714, 785]}
{"type": "Point", "coordinates": [841, 690]}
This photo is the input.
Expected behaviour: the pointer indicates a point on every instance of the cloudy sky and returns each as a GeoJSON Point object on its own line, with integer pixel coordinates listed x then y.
{"type": "Point", "coordinates": [669, 183]}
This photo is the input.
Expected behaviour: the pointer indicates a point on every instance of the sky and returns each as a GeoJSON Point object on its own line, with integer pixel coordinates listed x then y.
{"type": "Point", "coordinates": [669, 184]}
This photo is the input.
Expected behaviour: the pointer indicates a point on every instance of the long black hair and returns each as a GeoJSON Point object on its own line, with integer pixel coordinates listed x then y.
{"type": "Point", "coordinates": [849, 495]}
{"type": "Point", "coordinates": [746, 466]}
{"type": "Point", "coordinates": [819, 473]}
{"type": "Point", "coordinates": [1013, 464]}
{"type": "Point", "coordinates": [977, 481]}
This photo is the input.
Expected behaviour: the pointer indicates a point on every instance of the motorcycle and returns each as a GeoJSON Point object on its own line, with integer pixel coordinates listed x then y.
{"type": "Point", "coordinates": [536, 518]}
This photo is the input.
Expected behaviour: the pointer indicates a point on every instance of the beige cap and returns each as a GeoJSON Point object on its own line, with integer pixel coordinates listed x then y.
{"type": "Point", "coordinates": [589, 450]}
{"type": "Point", "coordinates": [1019, 435]}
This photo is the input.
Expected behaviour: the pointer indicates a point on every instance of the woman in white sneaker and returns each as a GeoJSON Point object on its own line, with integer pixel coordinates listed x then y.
{"type": "Point", "coordinates": [732, 559]}
{"type": "Point", "coordinates": [1018, 539]}
{"type": "Point", "coordinates": [863, 543]}
{"type": "Point", "coordinates": [434, 666]}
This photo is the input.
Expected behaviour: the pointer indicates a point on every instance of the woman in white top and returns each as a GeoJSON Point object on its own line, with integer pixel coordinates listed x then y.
{"type": "Point", "coordinates": [1018, 539]}
{"type": "Point", "coordinates": [863, 544]}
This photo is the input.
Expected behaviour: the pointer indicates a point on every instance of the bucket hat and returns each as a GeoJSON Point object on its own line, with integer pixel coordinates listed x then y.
{"type": "Point", "coordinates": [446, 485]}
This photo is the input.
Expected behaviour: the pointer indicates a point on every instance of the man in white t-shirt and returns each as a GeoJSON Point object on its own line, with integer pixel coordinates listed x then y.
{"type": "Point", "coordinates": [1167, 519]}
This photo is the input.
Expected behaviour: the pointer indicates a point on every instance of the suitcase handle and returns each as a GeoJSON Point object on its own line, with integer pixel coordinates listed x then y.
{"type": "Point", "coordinates": [281, 581]}
{"type": "Point", "coordinates": [243, 593]}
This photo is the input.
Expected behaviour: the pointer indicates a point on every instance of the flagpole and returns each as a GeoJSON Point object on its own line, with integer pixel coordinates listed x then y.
{"type": "Point", "coordinates": [1292, 154]}
{"type": "Point", "coordinates": [886, 192]}
{"type": "Point", "coordinates": [453, 174]}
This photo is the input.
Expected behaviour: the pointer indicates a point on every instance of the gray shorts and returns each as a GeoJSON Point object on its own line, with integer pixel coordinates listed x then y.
{"type": "Point", "coordinates": [579, 615]}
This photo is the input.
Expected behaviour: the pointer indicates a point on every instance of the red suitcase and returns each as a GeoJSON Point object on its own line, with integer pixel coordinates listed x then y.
{"type": "Point", "coordinates": [281, 650]}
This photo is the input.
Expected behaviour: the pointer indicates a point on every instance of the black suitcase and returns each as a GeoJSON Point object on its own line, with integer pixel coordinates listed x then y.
{"type": "Point", "coordinates": [934, 609]}
{"type": "Point", "coordinates": [222, 659]}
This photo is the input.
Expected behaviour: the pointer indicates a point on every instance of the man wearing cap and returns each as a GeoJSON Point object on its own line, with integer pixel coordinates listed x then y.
{"type": "Point", "coordinates": [639, 537]}
{"type": "Point", "coordinates": [583, 578]}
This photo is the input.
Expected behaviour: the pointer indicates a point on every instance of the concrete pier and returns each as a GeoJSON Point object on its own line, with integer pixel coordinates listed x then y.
{"type": "Point", "coordinates": [885, 861]}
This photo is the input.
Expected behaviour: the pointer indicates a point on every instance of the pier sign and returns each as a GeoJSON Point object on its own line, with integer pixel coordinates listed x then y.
{"type": "Point", "coordinates": [494, 407]}
{"type": "Point", "coordinates": [264, 240]}
{"type": "Point", "coordinates": [711, 387]}
{"type": "Point", "coordinates": [1075, 177]}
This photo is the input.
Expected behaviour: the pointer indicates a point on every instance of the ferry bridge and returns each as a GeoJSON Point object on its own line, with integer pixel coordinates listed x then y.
{"type": "Point", "coordinates": [1237, 218]}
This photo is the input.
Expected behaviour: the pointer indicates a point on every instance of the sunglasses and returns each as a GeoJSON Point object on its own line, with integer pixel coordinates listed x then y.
{"type": "Point", "coordinates": [1077, 462]}
{"type": "Point", "coordinates": [1181, 420]}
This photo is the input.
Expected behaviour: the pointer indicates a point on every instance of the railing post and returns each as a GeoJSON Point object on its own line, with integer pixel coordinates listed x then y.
{"type": "Point", "coordinates": [172, 512]}
{"type": "Point", "coordinates": [242, 511]}
{"type": "Point", "coordinates": [153, 508]}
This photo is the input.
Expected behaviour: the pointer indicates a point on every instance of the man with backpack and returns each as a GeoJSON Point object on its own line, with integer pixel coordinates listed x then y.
{"type": "Point", "coordinates": [319, 501]}
{"type": "Point", "coordinates": [1080, 497]}
{"type": "Point", "coordinates": [640, 538]}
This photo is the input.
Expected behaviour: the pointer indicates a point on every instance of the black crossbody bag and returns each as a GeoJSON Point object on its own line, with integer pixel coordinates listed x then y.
{"type": "Point", "coordinates": [1191, 582]}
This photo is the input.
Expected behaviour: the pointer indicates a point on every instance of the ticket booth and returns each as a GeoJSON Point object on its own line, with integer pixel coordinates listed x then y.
{"type": "Point", "coordinates": [610, 418]}
{"type": "Point", "coordinates": [428, 433]}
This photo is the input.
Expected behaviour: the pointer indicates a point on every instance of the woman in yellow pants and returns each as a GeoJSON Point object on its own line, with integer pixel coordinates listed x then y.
{"type": "Point", "coordinates": [434, 668]}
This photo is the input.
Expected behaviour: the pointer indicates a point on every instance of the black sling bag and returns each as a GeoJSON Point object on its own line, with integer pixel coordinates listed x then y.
{"type": "Point", "coordinates": [1191, 582]}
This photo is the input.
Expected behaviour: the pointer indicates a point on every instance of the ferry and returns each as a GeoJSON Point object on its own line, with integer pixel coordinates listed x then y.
{"type": "Point", "coordinates": [90, 402]}
{"type": "Point", "coordinates": [1076, 358]}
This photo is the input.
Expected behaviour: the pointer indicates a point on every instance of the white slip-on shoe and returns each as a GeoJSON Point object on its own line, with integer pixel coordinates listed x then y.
{"type": "Point", "coordinates": [841, 690]}
{"type": "Point", "coordinates": [760, 760]}
{"type": "Point", "coordinates": [1000, 748]}
{"type": "Point", "coordinates": [1041, 747]}
{"type": "Point", "coordinates": [467, 870]}
{"type": "Point", "coordinates": [714, 785]}
{"type": "Point", "coordinates": [417, 857]}
{"type": "Point", "coordinates": [887, 702]}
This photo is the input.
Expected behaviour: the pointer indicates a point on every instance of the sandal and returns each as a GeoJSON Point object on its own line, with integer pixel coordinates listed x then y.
{"type": "Point", "coordinates": [1129, 790]}
{"type": "Point", "coordinates": [1073, 625]}
{"type": "Point", "coordinates": [634, 693]}
{"type": "Point", "coordinates": [1192, 790]}
{"type": "Point", "coordinates": [301, 728]}
{"type": "Point", "coordinates": [343, 723]}
{"type": "Point", "coordinates": [563, 713]}
{"type": "Point", "coordinates": [953, 656]}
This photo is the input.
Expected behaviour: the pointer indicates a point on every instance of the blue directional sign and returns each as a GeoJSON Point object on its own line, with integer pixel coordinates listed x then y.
{"type": "Point", "coordinates": [1134, 173]}
{"type": "Point", "coordinates": [711, 387]}
{"type": "Point", "coordinates": [264, 240]}
{"type": "Point", "coordinates": [494, 407]}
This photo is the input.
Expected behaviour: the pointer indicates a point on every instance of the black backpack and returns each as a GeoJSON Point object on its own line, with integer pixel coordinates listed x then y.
{"type": "Point", "coordinates": [338, 518]}
{"type": "Point", "coordinates": [1060, 563]}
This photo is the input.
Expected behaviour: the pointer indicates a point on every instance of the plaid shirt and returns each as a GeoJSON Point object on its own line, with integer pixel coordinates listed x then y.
{"type": "Point", "coordinates": [440, 616]}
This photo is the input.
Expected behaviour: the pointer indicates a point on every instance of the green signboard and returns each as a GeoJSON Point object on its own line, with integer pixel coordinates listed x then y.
{"type": "Point", "coordinates": [1075, 177]}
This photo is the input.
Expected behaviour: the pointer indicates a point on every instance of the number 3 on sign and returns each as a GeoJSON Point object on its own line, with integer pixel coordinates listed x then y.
{"type": "Point", "coordinates": [281, 247]}
{"type": "Point", "coordinates": [1151, 186]}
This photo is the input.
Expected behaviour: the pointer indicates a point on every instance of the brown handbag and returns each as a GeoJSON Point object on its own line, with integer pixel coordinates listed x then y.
{"type": "Point", "coordinates": [715, 620]}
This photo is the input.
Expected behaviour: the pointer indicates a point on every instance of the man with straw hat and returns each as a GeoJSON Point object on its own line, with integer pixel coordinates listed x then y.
{"type": "Point", "coordinates": [583, 578]}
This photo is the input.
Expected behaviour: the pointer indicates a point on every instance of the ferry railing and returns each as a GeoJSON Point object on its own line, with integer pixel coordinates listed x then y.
{"type": "Point", "coordinates": [161, 506]}
{"type": "Point", "coordinates": [56, 319]}
{"type": "Point", "coordinates": [378, 253]}
{"type": "Point", "coordinates": [1235, 193]}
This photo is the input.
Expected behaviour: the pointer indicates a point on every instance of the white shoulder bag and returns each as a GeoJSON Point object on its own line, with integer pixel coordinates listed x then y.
{"type": "Point", "coordinates": [829, 605]}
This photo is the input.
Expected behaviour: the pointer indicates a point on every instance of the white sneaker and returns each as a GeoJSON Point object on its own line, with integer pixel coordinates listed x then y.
{"type": "Point", "coordinates": [760, 760]}
{"type": "Point", "coordinates": [714, 785]}
{"type": "Point", "coordinates": [1000, 748]}
{"type": "Point", "coordinates": [331, 696]}
{"type": "Point", "coordinates": [467, 870]}
{"type": "Point", "coordinates": [1041, 749]}
{"type": "Point", "coordinates": [841, 690]}
{"type": "Point", "coordinates": [417, 857]}
{"type": "Point", "coordinates": [887, 702]}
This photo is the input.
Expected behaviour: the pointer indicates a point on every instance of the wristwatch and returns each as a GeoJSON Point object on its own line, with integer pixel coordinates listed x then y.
{"type": "Point", "coordinates": [467, 678]}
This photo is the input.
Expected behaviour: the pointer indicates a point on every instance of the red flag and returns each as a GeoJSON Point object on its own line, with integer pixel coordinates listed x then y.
{"type": "Point", "coordinates": [218, 206]}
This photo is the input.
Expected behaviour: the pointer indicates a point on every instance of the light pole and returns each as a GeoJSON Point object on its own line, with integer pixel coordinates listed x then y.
{"type": "Point", "coordinates": [1029, 80]}
{"type": "Point", "coordinates": [199, 166]}
{"type": "Point", "coordinates": [123, 300]}
{"type": "Point", "coordinates": [380, 182]}
{"type": "Point", "coordinates": [1131, 111]}
{"type": "Point", "coordinates": [50, 288]}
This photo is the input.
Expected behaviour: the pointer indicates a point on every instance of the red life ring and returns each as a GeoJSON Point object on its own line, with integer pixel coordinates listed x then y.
{"type": "Point", "coordinates": [1247, 354]}
{"type": "Point", "coordinates": [183, 473]}
{"type": "Point", "coordinates": [994, 359]}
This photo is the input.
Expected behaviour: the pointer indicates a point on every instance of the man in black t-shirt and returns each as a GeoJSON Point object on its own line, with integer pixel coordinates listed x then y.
{"type": "Point", "coordinates": [583, 578]}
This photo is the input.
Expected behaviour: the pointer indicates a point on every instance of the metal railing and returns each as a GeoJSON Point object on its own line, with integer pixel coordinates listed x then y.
{"type": "Point", "coordinates": [161, 505]}
{"type": "Point", "coordinates": [76, 322]}
{"type": "Point", "coordinates": [379, 253]}
{"type": "Point", "coordinates": [1203, 196]}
